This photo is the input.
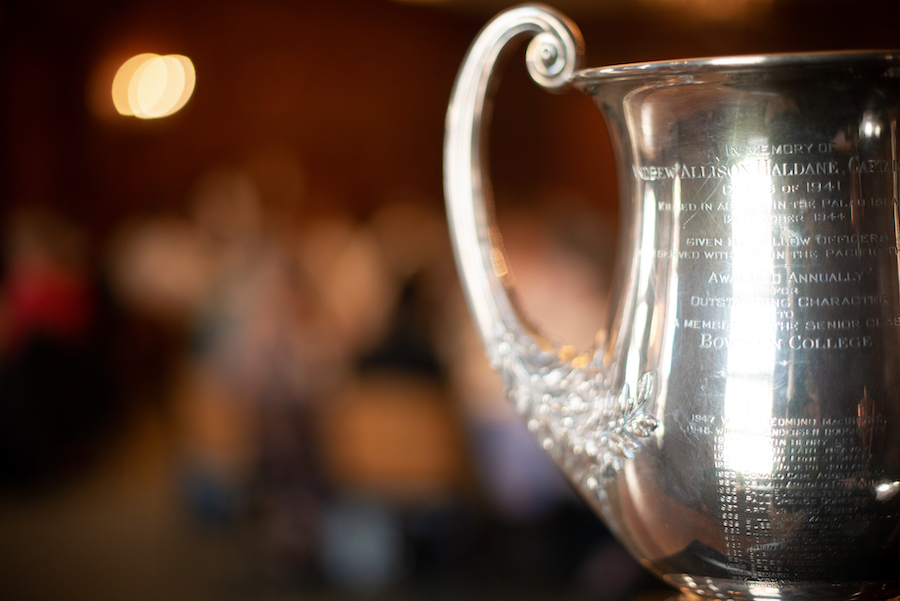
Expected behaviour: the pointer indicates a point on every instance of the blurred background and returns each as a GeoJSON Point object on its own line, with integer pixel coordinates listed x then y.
{"type": "Point", "coordinates": [235, 362]}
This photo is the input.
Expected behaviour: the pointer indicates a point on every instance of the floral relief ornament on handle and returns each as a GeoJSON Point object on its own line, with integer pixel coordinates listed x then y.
{"type": "Point", "coordinates": [589, 431]}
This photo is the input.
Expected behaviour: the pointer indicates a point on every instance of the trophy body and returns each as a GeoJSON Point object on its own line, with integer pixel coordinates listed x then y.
{"type": "Point", "coordinates": [738, 427]}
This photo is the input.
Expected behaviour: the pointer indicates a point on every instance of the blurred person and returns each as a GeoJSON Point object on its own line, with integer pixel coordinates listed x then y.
{"type": "Point", "coordinates": [288, 304]}
{"type": "Point", "coordinates": [395, 454]}
{"type": "Point", "coordinates": [55, 395]}
{"type": "Point", "coordinates": [342, 261]}
{"type": "Point", "coordinates": [412, 240]}
{"type": "Point", "coordinates": [46, 287]}
{"type": "Point", "coordinates": [200, 282]}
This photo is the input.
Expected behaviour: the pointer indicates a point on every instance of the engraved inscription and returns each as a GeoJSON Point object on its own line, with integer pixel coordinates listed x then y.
{"type": "Point", "coordinates": [794, 507]}
{"type": "Point", "coordinates": [784, 239]}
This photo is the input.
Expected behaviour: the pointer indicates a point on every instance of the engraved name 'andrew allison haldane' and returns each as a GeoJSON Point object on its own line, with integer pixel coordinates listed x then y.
{"type": "Point", "coordinates": [764, 168]}
{"type": "Point", "coordinates": [756, 168]}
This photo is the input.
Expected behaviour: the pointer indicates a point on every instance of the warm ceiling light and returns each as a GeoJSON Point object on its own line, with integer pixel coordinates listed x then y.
{"type": "Point", "coordinates": [149, 86]}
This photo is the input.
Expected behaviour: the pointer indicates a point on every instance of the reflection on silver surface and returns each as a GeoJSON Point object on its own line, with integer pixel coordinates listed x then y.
{"type": "Point", "coordinates": [738, 429]}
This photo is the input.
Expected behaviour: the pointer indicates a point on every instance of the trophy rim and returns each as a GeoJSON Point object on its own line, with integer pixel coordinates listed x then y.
{"type": "Point", "coordinates": [738, 64]}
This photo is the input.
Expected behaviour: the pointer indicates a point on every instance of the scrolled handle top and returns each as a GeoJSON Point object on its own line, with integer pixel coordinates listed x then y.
{"type": "Point", "coordinates": [555, 54]}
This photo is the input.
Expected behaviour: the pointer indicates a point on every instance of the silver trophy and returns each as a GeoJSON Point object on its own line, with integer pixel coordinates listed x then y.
{"type": "Point", "coordinates": [739, 427]}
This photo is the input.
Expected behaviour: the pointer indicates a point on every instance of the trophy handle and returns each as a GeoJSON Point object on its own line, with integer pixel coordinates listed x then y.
{"type": "Point", "coordinates": [566, 400]}
{"type": "Point", "coordinates": [552, 57]}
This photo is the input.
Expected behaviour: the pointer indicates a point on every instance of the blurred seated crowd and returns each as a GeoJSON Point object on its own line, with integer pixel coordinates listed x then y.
{"type": "Point", "coordinates": [317, 380]}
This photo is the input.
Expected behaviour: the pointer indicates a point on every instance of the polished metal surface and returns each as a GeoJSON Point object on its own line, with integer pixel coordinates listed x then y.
{"type": "Point", "coordinates": [739, 428]}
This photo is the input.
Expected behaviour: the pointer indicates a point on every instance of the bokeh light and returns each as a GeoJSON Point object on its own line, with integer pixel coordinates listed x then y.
{"type": "Point", "coordinates": [150, 86]}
